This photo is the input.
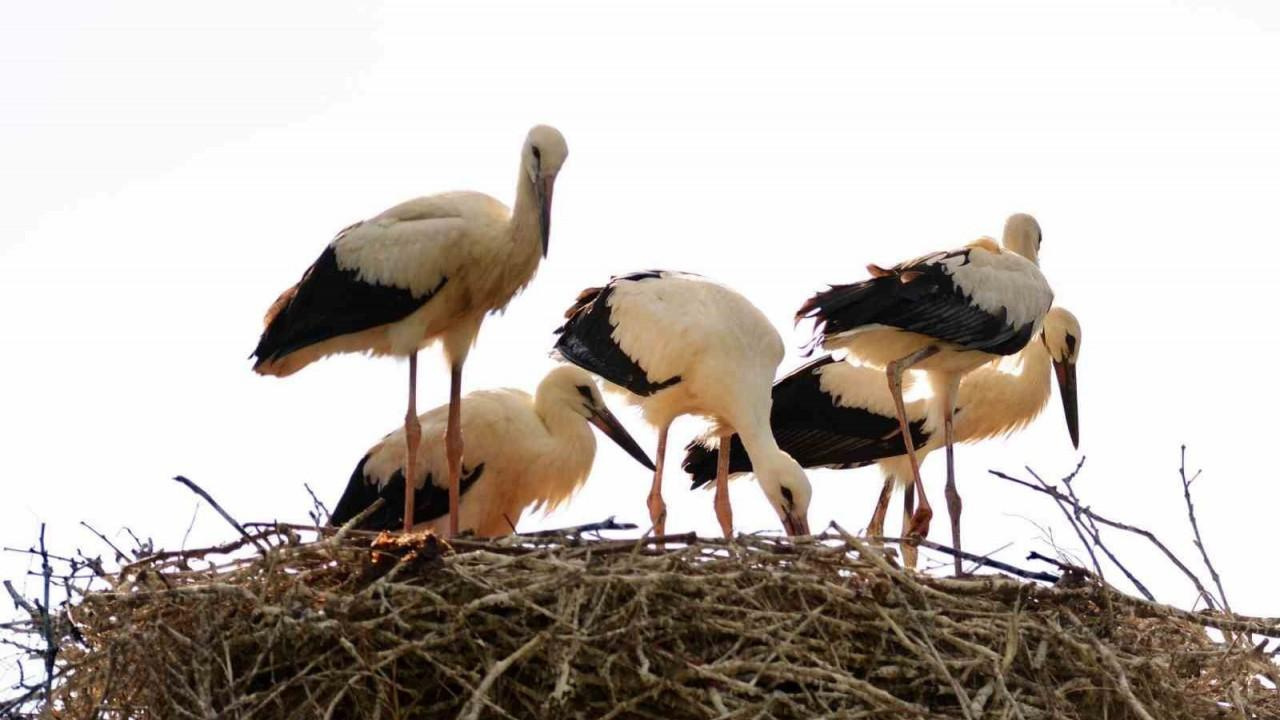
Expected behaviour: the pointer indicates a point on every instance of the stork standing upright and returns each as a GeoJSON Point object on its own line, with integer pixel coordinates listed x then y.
{"type": "Point", "coordinates": [833, 414]}
{"type": "Point", "coordinates": [522, 451]}
{"type": "Point", "coordinates": [945, 314]}
{"type": "Point", "coordinates": [425, 270]}
{"type": "Point", "coordinates": [680, 344]}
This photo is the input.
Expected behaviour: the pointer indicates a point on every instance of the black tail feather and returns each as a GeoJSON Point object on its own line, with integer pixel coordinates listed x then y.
{"type": "Point", "coordinates": [361, 492]}
{"type": "Point", "coordinates": [844, 307]}
{"type": "Point", "coordinates": [429, 502]}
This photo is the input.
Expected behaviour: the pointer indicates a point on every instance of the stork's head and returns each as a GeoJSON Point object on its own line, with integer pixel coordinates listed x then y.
{"type": "Point", "coordinates": [1022, 235]}
{"type": "Point", "coordinates": [544, 153]}
{"type": "Point", "coordinates": [573, 388]}
{"type": "Point", "coordinates": [1061, 335]}
{"type": "Point", "coordinates": [788, 490]}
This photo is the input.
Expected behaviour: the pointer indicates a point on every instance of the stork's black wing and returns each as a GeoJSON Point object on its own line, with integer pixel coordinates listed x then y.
{"type": "Point", "coordinates": [329, 302]}
{"type": "Point", "coordinates": [813, 429]}
{"type": "Point", "coordinates": [586, 340]}
{"type": "Point", "coordinates": [920, 296]}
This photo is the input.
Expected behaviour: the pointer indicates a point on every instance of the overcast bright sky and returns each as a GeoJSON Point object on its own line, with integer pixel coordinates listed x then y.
{"type": "Point", "coordinates": [168, 168]}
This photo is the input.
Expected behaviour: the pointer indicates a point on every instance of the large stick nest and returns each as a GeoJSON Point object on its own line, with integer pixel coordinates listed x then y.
{"type": "Point", "coordinates": [574, 628]}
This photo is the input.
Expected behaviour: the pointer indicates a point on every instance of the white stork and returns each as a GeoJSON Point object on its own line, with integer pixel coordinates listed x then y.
{"type": "Point", "coordinates": [833, 414]}
{"type": "Point", "coordinates": [428, 269]}
{"type": "Point", "coordinates": [680, 344]}
{"type": "Point", "coordinates": [945, 314]}
{"type": "Point", "coordinates": [522, 451]}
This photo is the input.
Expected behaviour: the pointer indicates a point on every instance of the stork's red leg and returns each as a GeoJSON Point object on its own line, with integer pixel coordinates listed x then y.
{"type": "Point", "coordinates": [953, 497]}
{"type": "Point", "coordinates": [724, 513]}
{"type": "Point", "coordinates": [453, 446]}
{"type": "Point", "coordinates": [412, 437]}
{"type": "Point", "coordinates": [657, 508]}
{"type": "Point", "coordinates": [875, 528]}
{"type": "Point", "coordinates": [910, 553]}
{"type": "Point", "coordinates": [920, 520]}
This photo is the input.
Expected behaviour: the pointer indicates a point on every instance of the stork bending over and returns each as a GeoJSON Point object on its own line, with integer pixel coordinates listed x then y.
{"type": "Point", "coordinates": [945, 314]}
{"type": "Point", "coordinates": [833, 414]}
{"type": "Point", "coordinates": [680, 344]}
{"type": "Point", "coordinates": [425, 270]}
{"type": "Point", "coordinates": [522, 451]}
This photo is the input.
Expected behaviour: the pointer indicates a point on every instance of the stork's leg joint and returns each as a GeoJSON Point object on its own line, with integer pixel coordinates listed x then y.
{"type": "Point", "coordinates": [657, 508]}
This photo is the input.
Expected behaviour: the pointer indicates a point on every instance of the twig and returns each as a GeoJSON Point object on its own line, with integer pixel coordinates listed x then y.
{"type": "Point", "coordinates": [478, 700]}
{"type": "Point", "coordinates": [120, 556]}
{"type": "Point", "coordinates": [979, 559]}
{"type": "Point", "coordinates": [225, 515]}
{"type": "Point", "coordinates": [354, 523]}
{"type": "Point", "coordinates": [1053, 492]}
{"type": "Point", "coordinates": [319, 507]}
{"type": "Point", "coordinates": [195, 513]}
{"type": "Point", "coordinates": [51, 644]}
{"type": "Point", "coordinates": [1091, 528]}
{"type": "Point", "coordinates": [1195, 527]}
{"type": "Point", "coordinates": [21, 602]}
{"type": "Point", "coordinates": [607, 524]}
{"type": "Point", "coordinates": [1074, 518]}
{"type": "Point", "coordinates": [144, 547]}
{"type": "Point", "coordinates": [1063, 566]}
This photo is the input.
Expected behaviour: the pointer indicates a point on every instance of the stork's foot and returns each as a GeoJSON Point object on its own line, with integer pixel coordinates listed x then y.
{"type": "Point", "coordinates": [920, 520]}
{"type": "Point", "coordinates": [725, 515]}
{"type": "Point", "coordinates": [910, 554]}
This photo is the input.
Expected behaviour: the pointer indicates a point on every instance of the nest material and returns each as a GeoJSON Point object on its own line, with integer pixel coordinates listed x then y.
{"type": "Point", "coordinates": [572, 628]}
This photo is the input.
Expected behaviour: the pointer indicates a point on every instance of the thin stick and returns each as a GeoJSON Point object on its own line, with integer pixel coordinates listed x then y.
{"type": "Point", "coordinates": [21, 602]}
{"type": "Point", "coordinates": [51, 645]}
{"type": "Point", "coordinates": [478, 700]}
{"type": "Point", "coordinates": [354, 523]}
{"type": "Point", "coordinates": [978, 559]}
{"type": "Point", "coordinates": [608, 523]}
{"type": "Point", "coordinates": [1053, 492]}
{"type": "Point", "coordinates": [225, 515]}
{"type": "Point", "coordinates": [1195, 527]}
{"type": "Point", "coordinates": [1074, 519]}
{"type": "Point", "coordinates": [319, 506]}
{"type": "Point", "coordinates": [1063, 566]}
{"type": "Point", "coordinates": [120, 556]}
{"type": "Point", "coordinates": [1091, 528]}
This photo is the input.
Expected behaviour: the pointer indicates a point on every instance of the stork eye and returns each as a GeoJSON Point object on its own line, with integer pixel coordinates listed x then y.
{"type": "Point", "coordinates": [1071, 344]}
{"type": "Point", "coordinates": [537, 154]}
{"type": "Point", "coordinates": [585, 391]}
{"type": "Point", "coordinates": [786, 495]}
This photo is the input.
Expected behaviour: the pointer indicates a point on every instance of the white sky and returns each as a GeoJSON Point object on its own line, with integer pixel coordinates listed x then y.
{"type": "Point", "coordinates": [169, 168]}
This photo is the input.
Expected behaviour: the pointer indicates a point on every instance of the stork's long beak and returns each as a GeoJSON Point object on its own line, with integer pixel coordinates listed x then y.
{"type": "Point", "coordinates": [1066, 372]}
{"type": "Point", "coordinates": [609, 425]}
{"type": "Point", "coordinates": [544, 188]}
{"type": "Point", "coordinates": [795, 525]}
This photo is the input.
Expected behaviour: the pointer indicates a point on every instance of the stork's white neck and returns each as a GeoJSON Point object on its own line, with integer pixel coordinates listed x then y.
{"type": "Point", "coordinates": [526, 230]}
{"type": "Point", "coordinates": [559, 418]}
{"type": "Point", "coordinates": [761, 447]}
{"type": "Point", "coordinates": [563, 466]}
